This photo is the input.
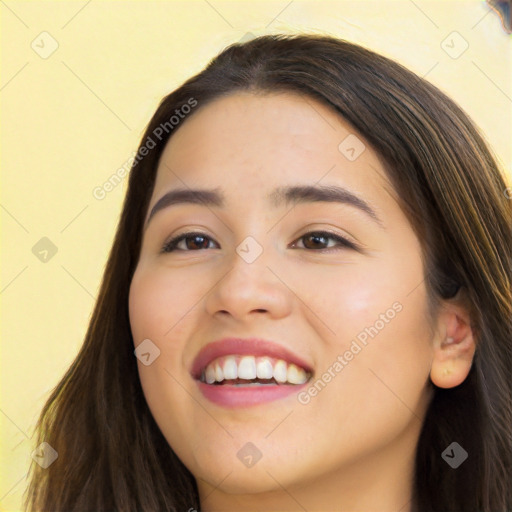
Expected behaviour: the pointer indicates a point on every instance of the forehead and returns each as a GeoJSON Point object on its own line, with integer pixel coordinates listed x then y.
{"type": "Point", "coordinates": [254, 142]}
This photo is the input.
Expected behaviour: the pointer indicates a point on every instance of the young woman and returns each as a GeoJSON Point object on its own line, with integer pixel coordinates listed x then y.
{"type": "Point", "coordinates": [307, 305]}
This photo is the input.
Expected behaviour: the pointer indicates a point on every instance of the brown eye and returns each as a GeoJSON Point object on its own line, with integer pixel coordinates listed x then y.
{"type": "Point", "coordinates": [315, 240]}
{"type": "Point", "coordinates": [193, 242]}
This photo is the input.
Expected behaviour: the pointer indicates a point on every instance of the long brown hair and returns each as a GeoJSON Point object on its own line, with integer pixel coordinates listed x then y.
{"type": "Point", "coordinates": [111, 453]}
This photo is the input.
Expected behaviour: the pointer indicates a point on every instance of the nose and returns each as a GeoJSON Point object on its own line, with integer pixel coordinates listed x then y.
{"type": "Point", "coordinates": [247, 288]}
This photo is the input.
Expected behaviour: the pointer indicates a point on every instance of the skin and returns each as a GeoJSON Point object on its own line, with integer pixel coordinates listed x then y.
{"type": "Point", "coordinates": [351, 447]}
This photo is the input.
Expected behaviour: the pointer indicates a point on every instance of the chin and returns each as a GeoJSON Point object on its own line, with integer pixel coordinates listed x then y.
{"type": "Point", "coordinates": [237, 479]}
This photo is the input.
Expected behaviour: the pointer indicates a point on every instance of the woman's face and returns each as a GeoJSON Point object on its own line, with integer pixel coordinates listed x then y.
{"type": "Point", "coordinates": [352, 315]}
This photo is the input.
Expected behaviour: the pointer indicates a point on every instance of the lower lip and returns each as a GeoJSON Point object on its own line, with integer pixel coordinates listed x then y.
{"type": "Point", "coordinates": [244, 396]}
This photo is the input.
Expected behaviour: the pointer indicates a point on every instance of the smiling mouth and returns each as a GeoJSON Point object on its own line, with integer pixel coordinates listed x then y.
{"type": "Point", "coordinates": [246, 371]}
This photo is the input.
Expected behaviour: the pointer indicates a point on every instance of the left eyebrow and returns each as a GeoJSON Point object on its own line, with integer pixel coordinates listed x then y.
{"type": "Point", "coordinates": [279, 196]}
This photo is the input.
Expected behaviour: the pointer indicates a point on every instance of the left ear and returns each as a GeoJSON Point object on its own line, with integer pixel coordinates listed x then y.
{"type": "Point", "coordinates": [454, 346]}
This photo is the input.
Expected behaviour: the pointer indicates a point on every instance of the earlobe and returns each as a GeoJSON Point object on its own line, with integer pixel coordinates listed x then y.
{"type": "Point", "coordinates": [454, 351]}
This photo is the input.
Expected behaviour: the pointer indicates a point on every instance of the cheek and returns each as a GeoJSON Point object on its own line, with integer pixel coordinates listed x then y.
{"type": "Point", "coordinates": [159, 310]}
{"type": "Point", "coordinates": [377, 316]}
{"type": "Point", "coordinates": [377, 391]}
{"type": "Point", "coordinates": [348, 298]}
{"type": "Point", "coordinates": [159, 304]}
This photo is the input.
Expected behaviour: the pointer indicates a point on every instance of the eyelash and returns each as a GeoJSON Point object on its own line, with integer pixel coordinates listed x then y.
{"type": "Point", "coordinates": [170, 245]}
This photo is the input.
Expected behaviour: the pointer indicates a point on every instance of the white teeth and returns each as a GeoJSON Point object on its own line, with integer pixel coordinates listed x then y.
{"type": "Point", "coordinates": [264, 368]}
{"type": "Point", "coordinates": [280, 371]}
{"type": "Point", "coordinates": [210, 374]}
{"type": "Point", "coordinates": [296, 375]}
{"type": "Point", "coordinates": [230, 368]}
{"type": "Point", "coordinates": [219, 374]}
{"type": "Point", "coordinates": [251, 368]}
{"type": "Point", "coordinates": [247, 368]}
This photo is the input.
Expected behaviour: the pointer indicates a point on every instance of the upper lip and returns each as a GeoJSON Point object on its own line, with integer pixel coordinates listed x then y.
{"type": "Point", "coordinates": [244, 346]}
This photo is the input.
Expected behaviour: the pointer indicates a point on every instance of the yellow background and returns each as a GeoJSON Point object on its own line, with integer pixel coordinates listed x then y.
{"type": "Point", "coordinates": [70, 120]}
